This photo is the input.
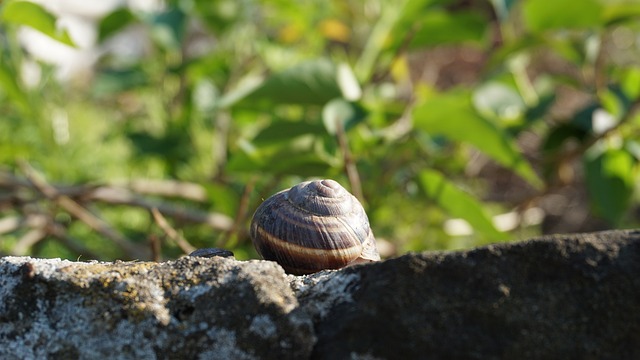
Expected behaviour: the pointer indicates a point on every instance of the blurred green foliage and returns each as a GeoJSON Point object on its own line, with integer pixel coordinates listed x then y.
{"type": "Point", "coordinates": [431, 110]}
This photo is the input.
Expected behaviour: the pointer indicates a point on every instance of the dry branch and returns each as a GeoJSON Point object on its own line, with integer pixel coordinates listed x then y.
{"type": "Point", "coordinates": [82, 214]}
{"type": "Point", "coordinates": [122, 196]}
{"type": "Point", "coordinates": [241, 213]}
{"type": "Point", "coordinates": [169, 188]}
{"type": "Point", "coordinates": [171, 232]}
{"type": "Point", "coordinates": [28, 240]}
{"type": "Point", "coordinates": [21, 194]}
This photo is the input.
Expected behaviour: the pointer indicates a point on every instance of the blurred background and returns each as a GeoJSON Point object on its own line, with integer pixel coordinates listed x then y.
{"type": "Point", "coordinates": [143, 129]}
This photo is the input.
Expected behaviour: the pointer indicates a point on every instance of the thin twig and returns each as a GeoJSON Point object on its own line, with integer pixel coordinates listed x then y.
{"type": "Point", "coordinates": [59, 233]}
{"type": "Point", "coordinates": [182, 243]}
{"type": "Point", "coordinates": [12, 223]}
{"type": "Point", "coordinates": [79, 212]}
{"type": "Point", "coordinates": [220, 141]}
{"type": "Point", "coordinates": [349, 163]}
{"type": "Point", "coordinates": [570, 155]}
{"type": "Point", "coordinates": [122, 196]}
{"type": "Point", "coordinates": [573, 153]}
{"type": "Point", "coordinates": [28, 240]}
{"type": "Point", "coordinates": [169, 188]}
{"type": "Point", "coordinates": [125, 197]}
{"type": "Point", "coordinates": [156, 248]}
{"type": "Point", "coordinates": [164, 188]}
{"type": "Point", "coordinates": [241, 213]}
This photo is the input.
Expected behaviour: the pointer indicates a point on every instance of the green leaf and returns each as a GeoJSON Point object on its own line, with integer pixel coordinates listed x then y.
{"type": "Point", "coordinates": [543, 15]}
{"type": "Point", "coordinates": [312, 82]}
{"type": "Point", "coordinates": [620, 11]}
{"type": "Point", "coordinates": [403, 24]}
{"type": "Point", "coordinates": [12, 89]}
{"type": "Point", "coordinates": [633, 147]}
{"type": "Point", "coordinates": [116, 81]}
{"type": "Point", "coordinates": [224, 199]}
{"type": "Point", "coordinates": [245, 87]}
{"type": "Point", "coordinates": [168, 28]}
{"type": "Point", "coordinates": [284, 161]}
{"type": "Point", "coordinates": [453, 116]}
{"type": "Point", "coordinates": [114, 22]}
{"type": "Point", "coordinates": [441, 27]}
{"type": "Point", "coordinates": [380, 34]}
{"type": "Point", "coordinates": [458, 203]}
{"type": "Point", "coordinates": [33, 15]}
{"type": "Point", "coordinates": [630, 83]}
{"type": "Point", "coordinates": [340, 111]}
{"type": "Point", "coordinates": [301, 155]}
{"type": "Point", "coordinates": [609, 177]}
{"type": "Point", "coordinates": [282, 131]}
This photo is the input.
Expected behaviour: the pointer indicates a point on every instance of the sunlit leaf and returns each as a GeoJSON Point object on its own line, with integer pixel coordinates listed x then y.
{"type": "Point", "coordinates": [458, 203]}
{"type": "Point", "coordinates": [610, 181]}
{"type": "Point", "coordinates": [218, 15]}
{"type": "Point", "coordinates": [613, 102]}
{"type": "Point", "coordinates": [544, 15]}
{"type": "Point", "coordinates": [114, 22]}
{"type": "Point", "coordinates": [300, 155]}
{"type": "Point", "coordinates": [498, 101]}
{"type": "Point", "coordinates": [33, 15]}
{"type": "Point", "coordinates": [245, 87]}
{"type": "Point", "coordinates": [619, 11]}
{"type": "Point", "coordinates": [453, 116]}
{"type": "Point", "coordinates": [348, 83]}
{"type": "Point", "coordinates": [630, 83]}
{"type": "Point", "coordinates": [406, 22]}
{"type": "Point", "coordinates": [312, 82]}
{"type": "Point", "coordinates": [287, 160]}
{"type": "Point", "coordinates": [633, 147]}
{"type": "Point", "coordinates": [339, 112]}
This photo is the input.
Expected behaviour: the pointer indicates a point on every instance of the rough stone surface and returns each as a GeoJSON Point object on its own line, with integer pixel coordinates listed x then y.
{"type": "Point", "coordinates": [189, 308]}
{"type": "Point", "coordinates": [564, 296]}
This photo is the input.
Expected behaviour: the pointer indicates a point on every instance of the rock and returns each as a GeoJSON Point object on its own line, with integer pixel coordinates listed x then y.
{"type": "Point", "coordinates": [564, 296]}
{"type": "Point", "coordinates": [189, 308]}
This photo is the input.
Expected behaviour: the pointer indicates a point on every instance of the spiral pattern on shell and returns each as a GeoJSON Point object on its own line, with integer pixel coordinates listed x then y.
{"type": "Point", "coordinates": [313, 226]}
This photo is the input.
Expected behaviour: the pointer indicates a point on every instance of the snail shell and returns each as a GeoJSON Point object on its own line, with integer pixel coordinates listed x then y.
{"type": "Point", "coordinates": [313, 226]}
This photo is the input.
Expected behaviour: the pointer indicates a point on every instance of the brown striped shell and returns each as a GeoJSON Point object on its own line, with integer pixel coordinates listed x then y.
{"type": "Point", "coordinates": [313, 226]}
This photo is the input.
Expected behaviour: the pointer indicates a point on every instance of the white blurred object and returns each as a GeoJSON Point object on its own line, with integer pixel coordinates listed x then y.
{"type": "Point", "coordinates": [503, 222]}
{"type": "Point", "coordinates": [348, 83]}
{"type": "Point", "coordinates": [87, 9]}
{"type": "Point", "coordinates": [69, 61]}
{"type": "Point", "coordinates": [602, 121]}
{"type": "Point", "coordinates": [60, 125]}
{"type": "Point", "coordinates": [30, 73]}
{"type": "Point", "coordinates": [80, 19]}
